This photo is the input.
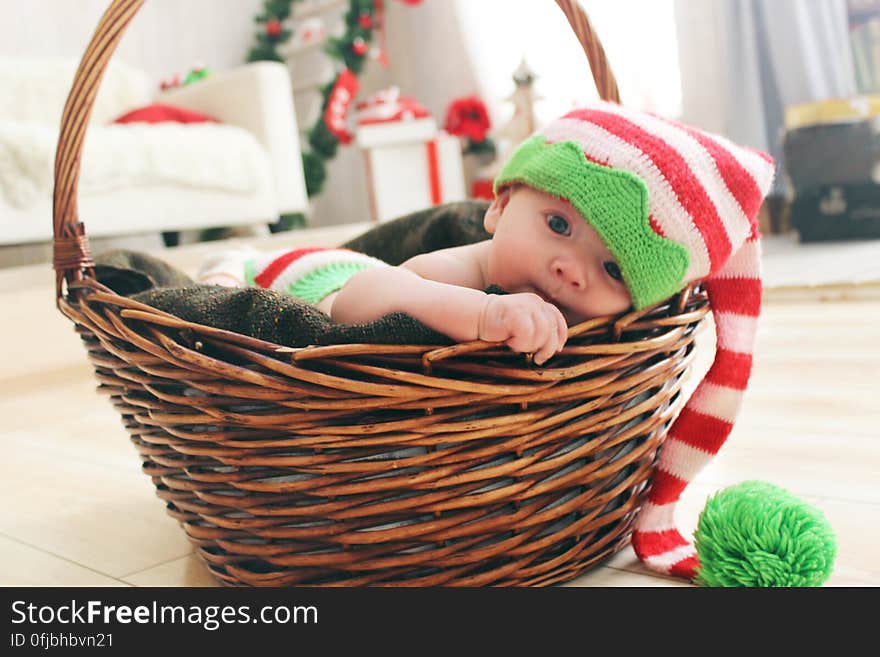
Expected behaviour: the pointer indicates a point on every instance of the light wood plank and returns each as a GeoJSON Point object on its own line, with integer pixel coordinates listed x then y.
{"type": "Point", "coordinates": [23, 565]}
{"type": "Point", "coordinates": [186, 571]}
{"type": "Point", "coordinates": [604, 576]}
{"type": "Point", "coordinates": [98, 516]}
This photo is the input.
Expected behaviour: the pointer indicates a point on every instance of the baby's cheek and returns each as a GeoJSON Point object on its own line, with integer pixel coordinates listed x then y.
{"type": "Point", "coordinates": [597, 305]}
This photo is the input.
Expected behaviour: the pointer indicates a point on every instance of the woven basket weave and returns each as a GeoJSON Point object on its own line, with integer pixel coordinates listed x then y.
{"type": "Point", "coordinates": [377, 464]}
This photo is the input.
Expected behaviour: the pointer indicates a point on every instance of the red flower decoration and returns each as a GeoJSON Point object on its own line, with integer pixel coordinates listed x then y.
{"type": "Point", "coordinates": [467, 117]}
{"type": "Point", "coordinates": [273, 27]}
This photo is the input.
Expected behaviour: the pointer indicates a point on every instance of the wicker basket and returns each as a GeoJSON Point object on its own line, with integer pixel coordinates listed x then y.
{"type": "Point", "coordinates": [374, 464]}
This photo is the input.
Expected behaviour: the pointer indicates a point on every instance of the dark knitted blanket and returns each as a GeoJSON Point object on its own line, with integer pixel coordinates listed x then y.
{"type": "Point", "coordinates": [284, 319]}
{"type": "Point", "coordinates": [452, 224]}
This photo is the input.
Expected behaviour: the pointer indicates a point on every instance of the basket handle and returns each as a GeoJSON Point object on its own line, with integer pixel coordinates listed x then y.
{"type": "Point", "coordinates": [72, 259]}
{"type": "Point", "coordinates": [606, 83]}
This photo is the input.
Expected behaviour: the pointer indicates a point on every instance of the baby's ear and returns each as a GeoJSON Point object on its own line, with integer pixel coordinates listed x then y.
{"type": "Point", "coordinates": [495, 210]}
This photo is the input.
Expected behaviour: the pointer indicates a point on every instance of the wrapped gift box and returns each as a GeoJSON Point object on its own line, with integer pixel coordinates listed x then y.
{"type": "Point", "coordinates": [410, 164]}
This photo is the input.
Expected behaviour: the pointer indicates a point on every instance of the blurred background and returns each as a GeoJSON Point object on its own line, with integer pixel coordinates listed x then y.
{"type": "Point", "coordinates": [401, 104]}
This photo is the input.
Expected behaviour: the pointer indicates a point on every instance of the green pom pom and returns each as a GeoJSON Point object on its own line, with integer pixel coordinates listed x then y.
{"type": "Point", "coordinates": [757, 534]}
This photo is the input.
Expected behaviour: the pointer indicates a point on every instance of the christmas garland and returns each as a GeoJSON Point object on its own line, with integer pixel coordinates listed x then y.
{"type": "Point", "coordinates": [350, 49]}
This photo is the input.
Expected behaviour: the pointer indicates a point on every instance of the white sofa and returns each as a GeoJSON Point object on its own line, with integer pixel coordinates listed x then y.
{"type": "Point", "coordinates": [139, 178]}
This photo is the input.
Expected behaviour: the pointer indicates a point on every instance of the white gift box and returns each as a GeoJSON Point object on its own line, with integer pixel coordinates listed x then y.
{"type": "Point", "coordinates": [410, 166]}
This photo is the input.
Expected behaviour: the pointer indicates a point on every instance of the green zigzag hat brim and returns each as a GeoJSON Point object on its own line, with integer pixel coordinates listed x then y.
{"type": "Point", "coordinates": [615, 203]}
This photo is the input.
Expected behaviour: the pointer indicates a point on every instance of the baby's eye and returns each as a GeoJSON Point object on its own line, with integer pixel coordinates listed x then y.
{"type": "Point", "coordinates": [613, 270]}
{"type": "Point", "coordinates": [558, 224]}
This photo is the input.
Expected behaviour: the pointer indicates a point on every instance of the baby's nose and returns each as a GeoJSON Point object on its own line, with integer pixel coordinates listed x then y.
{"type": "Point", "coordinates": [569, 273]}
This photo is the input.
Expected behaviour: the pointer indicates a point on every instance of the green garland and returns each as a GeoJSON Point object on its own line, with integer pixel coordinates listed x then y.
{"type": "Point", "coordinates": [360, 20]}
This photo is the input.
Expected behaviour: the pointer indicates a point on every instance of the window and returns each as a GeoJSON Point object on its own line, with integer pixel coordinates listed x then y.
{"type": "Point", "coordinates": [638, 36]}
{"type": "Point", "coordinates": [864, 35]}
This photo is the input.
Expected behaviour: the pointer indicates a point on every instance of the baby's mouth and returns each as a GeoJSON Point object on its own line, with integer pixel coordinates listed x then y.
{"type": "Point", "coordinates": [544, 296]}
{"type": "Point", "coordinates": [571, 317]}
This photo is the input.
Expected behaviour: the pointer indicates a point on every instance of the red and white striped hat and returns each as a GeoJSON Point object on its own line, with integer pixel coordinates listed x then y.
{"type": "Point", "coordinates": [674, 205]}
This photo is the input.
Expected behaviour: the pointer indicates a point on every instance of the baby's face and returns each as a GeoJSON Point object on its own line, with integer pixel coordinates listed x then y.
{"type": "Point", "coordinates": [542, 244]}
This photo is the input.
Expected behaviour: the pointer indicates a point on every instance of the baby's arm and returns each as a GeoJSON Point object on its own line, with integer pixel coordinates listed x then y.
{"type": "Point", "coordinates": [372, 293]}
{"type": "Point", "coordinates": [438, 289]}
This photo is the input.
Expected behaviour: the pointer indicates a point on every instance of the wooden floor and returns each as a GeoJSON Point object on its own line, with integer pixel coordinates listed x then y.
{"type": "Point", "coordinates": [78, 511]}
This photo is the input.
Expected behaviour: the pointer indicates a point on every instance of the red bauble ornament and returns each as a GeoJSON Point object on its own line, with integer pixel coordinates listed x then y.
{"type": "Point", "coordinates": [359, 47]}
{"type": "Point", "coordinates": [365, 21]}
{"type": "Point", "coordinates": [273, 27]}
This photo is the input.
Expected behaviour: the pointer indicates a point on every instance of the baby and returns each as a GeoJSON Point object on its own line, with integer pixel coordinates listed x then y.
{"type": "Point", "coordinates": [575, 235]}
{"type": "Point", "coordinates": [551, 261]}
{"type": "Point", "coordinates": [554, 264]}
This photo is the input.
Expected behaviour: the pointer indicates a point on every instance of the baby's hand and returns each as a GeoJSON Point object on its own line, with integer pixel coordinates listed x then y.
{"type": "Point", "coordinates": [525, 322]}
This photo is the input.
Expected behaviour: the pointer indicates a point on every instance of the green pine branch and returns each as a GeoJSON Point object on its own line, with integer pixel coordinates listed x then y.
{"type": "Point", "coordinates": [322, 142]}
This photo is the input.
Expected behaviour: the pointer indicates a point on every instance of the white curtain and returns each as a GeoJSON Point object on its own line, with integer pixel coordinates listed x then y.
{"type": "Point", "coordinates": [744, 61]}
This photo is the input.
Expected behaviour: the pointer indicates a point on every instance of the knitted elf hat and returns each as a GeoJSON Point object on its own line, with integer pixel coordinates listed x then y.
{"type": "Point", "coordinates": [673, 205]}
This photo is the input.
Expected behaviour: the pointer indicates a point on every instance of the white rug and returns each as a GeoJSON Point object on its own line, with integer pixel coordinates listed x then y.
{"type": "Point", "coordinates": [850, 269]}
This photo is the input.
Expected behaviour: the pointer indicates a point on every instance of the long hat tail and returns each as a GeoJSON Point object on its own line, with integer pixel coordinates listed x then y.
{"type": "Point", "coordinates": [706, 420]}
